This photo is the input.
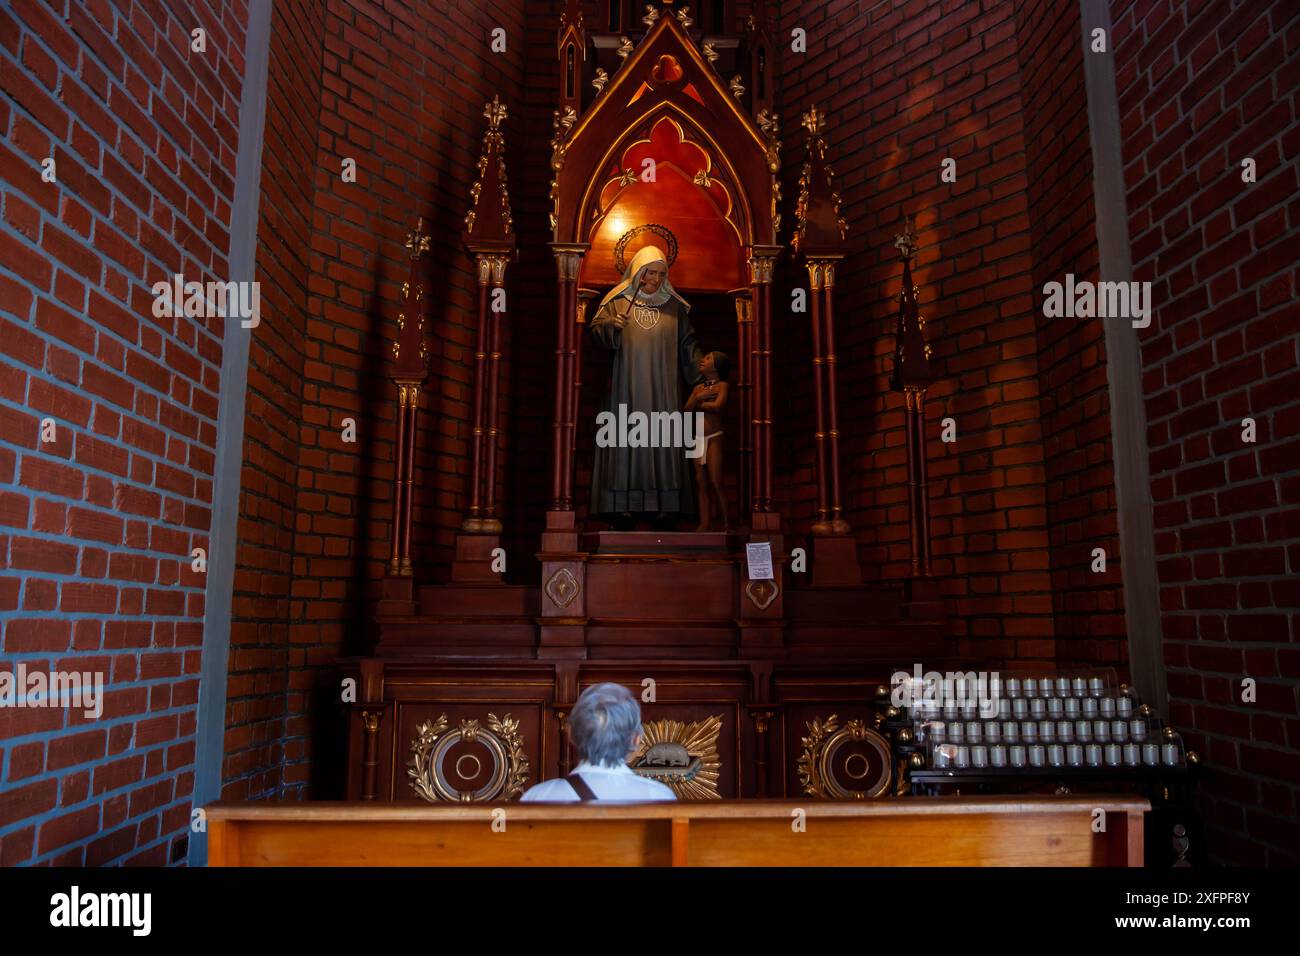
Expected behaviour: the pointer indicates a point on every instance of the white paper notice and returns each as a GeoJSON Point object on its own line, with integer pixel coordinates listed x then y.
{"type": "Point", "coordinates": [759, 557]}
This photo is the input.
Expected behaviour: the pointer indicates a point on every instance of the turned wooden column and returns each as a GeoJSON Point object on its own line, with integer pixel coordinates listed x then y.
{"type": "Point", "coordinates": [585, 301]}
{"type": "Point", "coordinates": [815, 272]}
{"type": "Point", "coordinates": [566, 763]}
{"type": "Point", "coordinates": [490, 240]}
{"type": "Point", "coordinates": [472, 520]}
{"type": "Point", "coordinates": [918, 480]}
{"type": "Point", "coordinates": [912, 375]}
{"type": "Point", "coordinates": [490, 521]}
{"type": "Point", "coordinates": [837, 523]}
{"type": "Point", "coordinates": [761, 720]}
{"type": "Point", "coordinates": [410, 369]}
{"type": "Point", "coordinates": [487, 358]}
{"type": "Point", "coordinates": [819, 237]}
{"type": "Point", "coordinates": [370, 753]}
{"type": "Point", "coordinates": [761, 263]}
{"type": "Point", "coordinates": [568, 260]}
{"type": "Point", "coordinates": [765, 316]}
{"type": "Point", "coordinates": [742, 385]}
{"type": "Point", "coordinates": [754, 422]}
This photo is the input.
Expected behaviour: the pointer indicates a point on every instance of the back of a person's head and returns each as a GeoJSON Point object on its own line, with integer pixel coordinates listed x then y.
{"type": "Point", "coordinates": [603, 723]}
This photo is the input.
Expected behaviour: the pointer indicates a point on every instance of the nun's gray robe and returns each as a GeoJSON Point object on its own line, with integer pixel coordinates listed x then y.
{"type": "Point", "coordinates": [650, 366]}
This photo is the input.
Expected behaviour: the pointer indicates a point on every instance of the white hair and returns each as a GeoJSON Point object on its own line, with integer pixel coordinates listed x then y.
{"type": "Point", "coordinates": [603, 723]}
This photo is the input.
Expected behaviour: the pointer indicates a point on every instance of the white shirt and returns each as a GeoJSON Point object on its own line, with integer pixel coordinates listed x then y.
{"type": "Point", "coordinates": [608, 783]}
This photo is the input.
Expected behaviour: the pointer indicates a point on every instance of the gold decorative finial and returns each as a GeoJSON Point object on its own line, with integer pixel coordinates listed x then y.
{"type": "Point", "coordinates": [814, 121]}
{"type": "Point", "coordinates": [651, 15]}
{"type": "Point", "coordinates": [418, 241]}
{"type": "Point", "coordinates": [684, 18]}
{"type": "Point", "coordinates": [495, 112]}
{"type": "Point", "coordinates": [599, 82]}
{"type": "Point", "coordinates": [737, 87]}
{"type": "Point", "coordinates": [710, 52]}
{"type": "Point", "coordinates": [625, 48]}
{"type": "Point", "coordinates": [905, 241]}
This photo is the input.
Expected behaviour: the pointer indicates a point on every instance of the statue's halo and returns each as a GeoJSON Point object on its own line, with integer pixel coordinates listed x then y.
{"type": "Point", "coordinates": [663, 232]}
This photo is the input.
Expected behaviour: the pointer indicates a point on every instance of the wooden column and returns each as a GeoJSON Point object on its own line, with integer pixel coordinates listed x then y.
{"type": "Point", "coordinates": [762, 602]}
{"type": "Point", "coordinates": [815, 272]}
{"type": "Point", "coordinates": [370, 754]}
{"type": "Point", "coordinates": [819, 237]}
{"type": "Point", "coordinates": [743, 386]}
{"type": "Point", "coordinates": [568, 260]}
{"type": "Point", "coordinates": [489, 238]}
{"type": "Point", "coordinates": [473, 521]}
{"type": "Point", "coordinates": [918, 480]}
{"type": "Point", "coordinates": [584, 300]}
{"type": "Point", "coordinates": [410, 370]}
{"type": "Point", "coordinates": [491, 523]}
{"type": "Point", "coordinates": [755, 407]}
{"type": "Point", "coordinates": [765, 317]}
{"type": "Point", "coordinates": [762, 718]}
{"type": "Point", "coordinates": [761, 262]}
{"type": "Point", "coordinates": [912, 375]}
{"type": "Point", "coordinates": [838, 525]}
{"type": "Point", "coordinates": [562, 634]}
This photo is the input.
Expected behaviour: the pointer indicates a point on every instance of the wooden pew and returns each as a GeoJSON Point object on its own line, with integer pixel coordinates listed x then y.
{"type": "Point", "coordinates": [933, 831]}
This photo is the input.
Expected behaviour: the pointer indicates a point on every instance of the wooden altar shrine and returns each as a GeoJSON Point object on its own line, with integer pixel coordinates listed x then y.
{"type": "Point", "coordinates": [465, 693]}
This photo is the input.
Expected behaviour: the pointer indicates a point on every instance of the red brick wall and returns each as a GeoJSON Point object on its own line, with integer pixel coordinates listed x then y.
{"type": "Point", "coordinates": [905, 87]}
{"type": "Point", "coordinates": [98, 526]}
{"type": "Point", "coordinates": [401, 89]}
{"type": "Point", "coordinates": [1203, 86]}
{"type": "Point", "coordinates": [262, 623]}
{"type": "Point", "coordinates": [1087, 606]}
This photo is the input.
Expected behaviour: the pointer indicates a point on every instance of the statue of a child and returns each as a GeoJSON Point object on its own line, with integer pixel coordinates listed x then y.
{"type": "Point", "coordinates": [710, 398]}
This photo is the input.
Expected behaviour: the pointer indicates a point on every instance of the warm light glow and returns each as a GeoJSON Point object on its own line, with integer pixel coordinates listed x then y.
{"type": "Point", "coordinates": [616, 225]}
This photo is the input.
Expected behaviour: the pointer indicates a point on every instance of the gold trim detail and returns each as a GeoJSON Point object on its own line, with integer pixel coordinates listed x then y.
{"type": "Point", "coordinates": [816, 776]}
{"type": "Point", "coordinates": [814, 121]}
{"type": "Point", "coordinates": [503, 742]}
{"type": "Point", "coordinates": [562, 588]}
{"type": "Point", "coordinates": [761, 593]}
{"type": "Point", "coordinates": [418, 242]}
{"type": "Point", "coordinates": [682, 756]}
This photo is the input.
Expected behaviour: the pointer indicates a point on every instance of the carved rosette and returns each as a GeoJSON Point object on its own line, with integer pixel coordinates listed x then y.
{"type": "Point", "coordinates": [683, 756]}
{"type": "Point", "coordinates": [849, 763]}
{"type": "Point", "coordinates": [470, 763]}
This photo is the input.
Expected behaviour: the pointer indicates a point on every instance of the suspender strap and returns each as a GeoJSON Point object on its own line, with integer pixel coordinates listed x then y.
{"type": "Point", "coordinates": [580, 787]}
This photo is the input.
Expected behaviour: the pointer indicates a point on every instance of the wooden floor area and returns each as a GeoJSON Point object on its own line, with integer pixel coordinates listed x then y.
{"type": "Point", "coordinates": [938, 831]}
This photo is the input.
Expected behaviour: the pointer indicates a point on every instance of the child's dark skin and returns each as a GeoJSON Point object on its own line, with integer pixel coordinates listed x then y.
{"type": "Point", "coordinates": [710, 397]}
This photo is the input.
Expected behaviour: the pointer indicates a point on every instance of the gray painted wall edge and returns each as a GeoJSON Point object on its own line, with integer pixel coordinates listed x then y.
{"type": "Point", "coordinates": [1128, 420]}
{"type": "Point", "coordinates": [223, 543]}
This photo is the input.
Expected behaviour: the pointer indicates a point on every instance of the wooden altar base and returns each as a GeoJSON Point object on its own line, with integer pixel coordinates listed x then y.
{"type": "Point", "coordinates": [650, 594]}
{"type": "Point", "coordinates": [667, 608]}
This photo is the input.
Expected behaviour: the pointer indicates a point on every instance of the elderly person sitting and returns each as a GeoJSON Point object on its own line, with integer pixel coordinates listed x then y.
{"type": "Point", "coordinates": [605, 726]}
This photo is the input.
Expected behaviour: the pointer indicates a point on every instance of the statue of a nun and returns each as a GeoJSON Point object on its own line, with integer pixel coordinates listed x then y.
{"type": "Point", "coordinates": [647, 326]}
